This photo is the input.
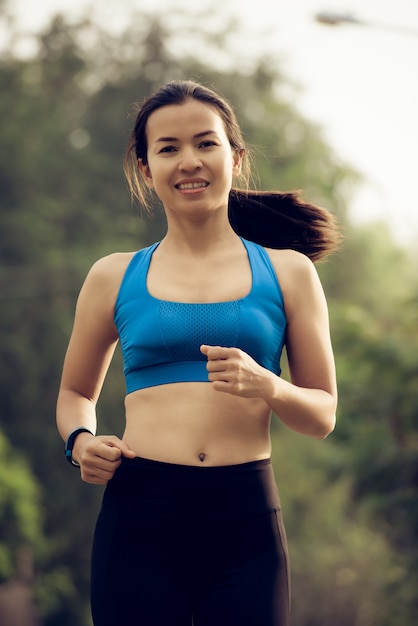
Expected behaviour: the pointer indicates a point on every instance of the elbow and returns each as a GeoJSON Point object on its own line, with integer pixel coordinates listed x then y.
{"type": "Point", "coordinates": [329, 418]}
{"type": "Point", "coordinates": [326, 428]}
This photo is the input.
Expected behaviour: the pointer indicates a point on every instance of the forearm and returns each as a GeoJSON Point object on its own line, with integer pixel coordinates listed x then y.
{"type": "Point", "coordinates": [304, 410]}
{"type": "Point", "coordinates": [98, 457]}
{"type": "Point", "coordinates": [74, 411]}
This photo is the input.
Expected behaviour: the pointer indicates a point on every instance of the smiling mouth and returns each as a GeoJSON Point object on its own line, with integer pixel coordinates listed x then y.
{"type": "Point", "coordinates": [196, 185]}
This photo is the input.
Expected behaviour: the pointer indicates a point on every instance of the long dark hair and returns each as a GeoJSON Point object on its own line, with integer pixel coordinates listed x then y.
{"type": "Point", "coordinates": [273, 219]}
{"type": "Point", "coordinates": [277, 219]}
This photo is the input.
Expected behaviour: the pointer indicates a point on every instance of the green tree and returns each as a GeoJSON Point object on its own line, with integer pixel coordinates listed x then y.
{"type": "Point", "coordinates": [338, 561]}
{"type": "Point", "coordinates": [20, 510]}
{"type": "Point", "coordinates": [349, 502]}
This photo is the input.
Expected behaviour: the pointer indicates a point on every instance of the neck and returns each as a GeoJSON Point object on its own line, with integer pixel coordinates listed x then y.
{"type": "Point", "coordinates": [198, 237]}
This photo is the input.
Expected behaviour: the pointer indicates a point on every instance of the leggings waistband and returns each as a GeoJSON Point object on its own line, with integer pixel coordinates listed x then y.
{"type": "Point", "coordinates": [166, 488]}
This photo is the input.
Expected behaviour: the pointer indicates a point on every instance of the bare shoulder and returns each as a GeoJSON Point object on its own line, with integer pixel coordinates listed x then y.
{"type": "Point", "coordinates": [291, 265]}
{"type": "Point", "coordinates": [100, 289]}
{"type": "Point", "coordinates": [111, 265]}
{"type": "Point", "coordinates": [107, 273]}
{"type": "Point", "coordinates": [298, 278]}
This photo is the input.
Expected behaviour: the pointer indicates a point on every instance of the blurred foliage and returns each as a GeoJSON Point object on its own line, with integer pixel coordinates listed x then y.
{"type": "Point", "coordinates": [350, 503]}
{"type": "Point", "coordinates": [20, 507]}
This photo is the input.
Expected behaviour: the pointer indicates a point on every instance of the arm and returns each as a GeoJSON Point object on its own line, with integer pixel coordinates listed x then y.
{"type": "Point", "coordinates": [308, 403]}
{"type": "Point", "coordinates": [90, 350]}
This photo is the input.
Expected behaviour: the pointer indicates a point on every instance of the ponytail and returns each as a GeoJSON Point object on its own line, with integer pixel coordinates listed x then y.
{"type": "Point", "coordinates": [283, 220]}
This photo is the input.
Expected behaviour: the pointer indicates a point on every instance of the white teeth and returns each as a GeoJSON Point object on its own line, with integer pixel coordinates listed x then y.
{"type": "Point", "coordinates": [192, 185]}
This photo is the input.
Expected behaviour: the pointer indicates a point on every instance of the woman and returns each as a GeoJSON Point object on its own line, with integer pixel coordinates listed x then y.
{"type": "Point", "coordinates": [190, 529]}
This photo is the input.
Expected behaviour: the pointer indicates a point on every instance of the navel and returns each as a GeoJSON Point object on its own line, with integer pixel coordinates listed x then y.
{"type": "Point", "coordinates": [202, 456]}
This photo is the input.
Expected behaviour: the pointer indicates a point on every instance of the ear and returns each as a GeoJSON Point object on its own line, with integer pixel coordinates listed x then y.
{"type": "Point", "coordinates": [145, 173]}
{"type": "Point", "coordinates": [237, 158]}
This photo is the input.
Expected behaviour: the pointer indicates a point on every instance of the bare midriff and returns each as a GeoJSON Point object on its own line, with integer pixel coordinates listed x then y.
{"type": "Point", "coordinates": [193, 424]}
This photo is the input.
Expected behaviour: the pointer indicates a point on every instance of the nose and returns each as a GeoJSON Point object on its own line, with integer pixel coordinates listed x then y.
{"type": "Point", "coordinates": [189, 160]}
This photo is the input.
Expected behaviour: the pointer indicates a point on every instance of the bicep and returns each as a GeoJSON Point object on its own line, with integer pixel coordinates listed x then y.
{"type": "Point", "coordinates": [308, 340]}
{"type": "Point", "coordinates": [93, 340]}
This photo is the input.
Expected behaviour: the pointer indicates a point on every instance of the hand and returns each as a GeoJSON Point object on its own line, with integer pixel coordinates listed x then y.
{"type": "Point", "coordinates": [233, 371]}
{"type": "Point", "coordinates": [99, 457]}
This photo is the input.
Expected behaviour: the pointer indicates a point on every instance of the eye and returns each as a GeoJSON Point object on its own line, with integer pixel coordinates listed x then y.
{"type": "Point", "coordinates": [208, 143]}
{"type": "Point", "coordinates": [166, 149]}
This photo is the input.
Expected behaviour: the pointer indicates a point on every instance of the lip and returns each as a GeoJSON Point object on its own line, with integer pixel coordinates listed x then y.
{"type": "Point", "coordinates": [192, 185]}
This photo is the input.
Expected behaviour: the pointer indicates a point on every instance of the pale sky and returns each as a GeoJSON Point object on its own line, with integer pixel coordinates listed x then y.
{"type": "Point", "coordinates": [359, 82]}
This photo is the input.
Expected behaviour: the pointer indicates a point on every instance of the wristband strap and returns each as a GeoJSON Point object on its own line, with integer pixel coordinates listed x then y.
{"type": "Point", "coordinates": [69, 444]}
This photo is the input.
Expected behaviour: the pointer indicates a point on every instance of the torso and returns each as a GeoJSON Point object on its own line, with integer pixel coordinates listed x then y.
{"type": "Point", "coordinates": [191, 423]}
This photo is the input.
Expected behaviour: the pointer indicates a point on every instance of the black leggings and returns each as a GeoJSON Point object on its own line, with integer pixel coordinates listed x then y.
{"type": "Point", "coordinates": [177, 545]}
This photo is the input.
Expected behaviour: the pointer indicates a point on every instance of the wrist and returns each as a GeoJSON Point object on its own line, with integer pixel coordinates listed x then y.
{"type": "Point", "coordinates": [271, 387]}
{"type": "Point", "coordinates": [71, 442]}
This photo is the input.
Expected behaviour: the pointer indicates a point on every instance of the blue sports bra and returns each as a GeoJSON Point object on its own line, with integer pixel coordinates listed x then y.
{"type": "Point", "coordinates": [161, 340]}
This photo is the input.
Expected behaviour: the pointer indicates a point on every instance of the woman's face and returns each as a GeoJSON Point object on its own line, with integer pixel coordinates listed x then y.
{"type": "Point", "coordinates": [190, 161]}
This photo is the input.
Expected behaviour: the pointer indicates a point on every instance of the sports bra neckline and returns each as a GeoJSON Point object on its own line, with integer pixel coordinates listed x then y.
{"type": "Point", "coordinates": [152, 249]}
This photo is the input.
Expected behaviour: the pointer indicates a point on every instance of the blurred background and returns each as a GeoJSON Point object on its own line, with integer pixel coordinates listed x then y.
{"type": "Point", "coordinates": [327, 97]}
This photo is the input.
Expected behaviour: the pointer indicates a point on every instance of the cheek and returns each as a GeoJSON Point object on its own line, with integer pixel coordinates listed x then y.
{"type": "Point", "coordinates": [229, 170]}
{"type": "Point", "coordinates": [161, 183]}
{"type": "Point", "coordinates": [154, 176]}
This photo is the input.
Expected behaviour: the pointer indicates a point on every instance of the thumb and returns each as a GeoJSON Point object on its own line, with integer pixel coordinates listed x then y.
{"type": "Point", "coordinates": [123, 448]}
{"type": "Point", "coordinates": [126, 451]}
{"type": "Point", "coordinates": [204, 349]}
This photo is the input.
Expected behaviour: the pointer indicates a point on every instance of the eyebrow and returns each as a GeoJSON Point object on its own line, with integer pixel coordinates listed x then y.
{"type": "Point", "coordinates": [197, 136]}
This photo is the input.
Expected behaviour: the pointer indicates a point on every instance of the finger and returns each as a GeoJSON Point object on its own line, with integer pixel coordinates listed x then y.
{"type": "Point", "coordinates": [123, 449]}
{"type": "Point", "coordinates": [99, 467]}
{"type": "Point", "coordinates": [216, 377]}
{"type": "Point", "coordinates": [215, 352]}
{"type": "Point", "coordinates": [108, 452]}
{"type": "Point", "coordinates": [96, 478]}
{"type": "Point", "coordinates": [223, 386]}
{"type": "Point", "coordinates": [126, 451]}
{"type": "Point", "coordinates": [217, 365]}
{"type": "Point", "coordinates": [119, 447]}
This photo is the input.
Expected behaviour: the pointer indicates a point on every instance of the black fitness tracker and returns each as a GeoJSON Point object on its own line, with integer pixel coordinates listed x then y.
{"type": "Point", "coordinates": [69, 444]}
